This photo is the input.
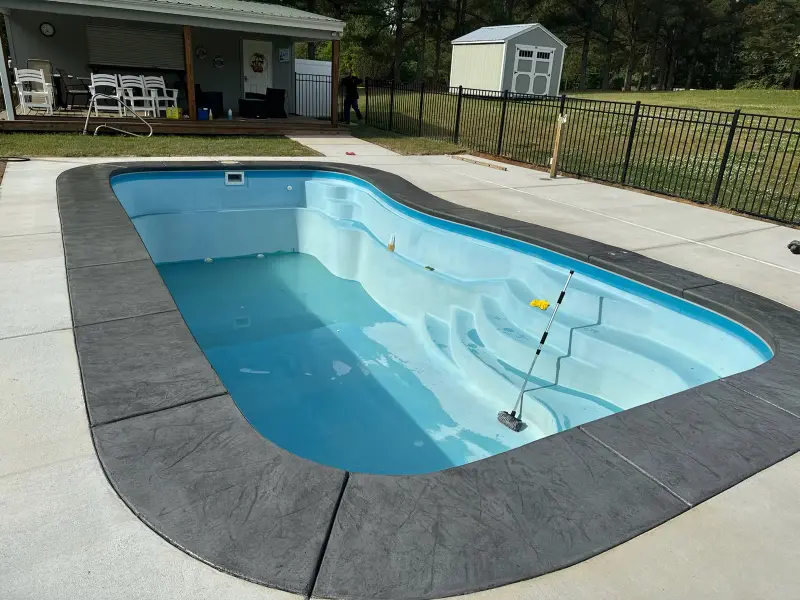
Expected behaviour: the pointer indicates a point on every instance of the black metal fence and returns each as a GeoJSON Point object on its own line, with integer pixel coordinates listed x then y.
{"type": "Point", "coordinates": [312, 96]}
{"type": "Point", "coordinates": [744, 162]}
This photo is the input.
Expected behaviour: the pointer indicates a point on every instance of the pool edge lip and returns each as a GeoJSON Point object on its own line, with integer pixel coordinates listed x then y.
{"type": "Point", "coordinates": [338, 554]}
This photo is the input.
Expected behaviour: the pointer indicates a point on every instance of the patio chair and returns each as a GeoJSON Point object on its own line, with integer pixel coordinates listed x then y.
{"type": "Point", "coordinates": [35, 92]}
{"type": "Point", "coordinates": [45, 66]}
{"type": "Point", "coordinates": [72, 88]}
{"type": "Point", "coordinates": [162, 96]}
{"type": "Point", "coordinates": [134, 92]}
{"type": "Point", "coordinates": [108, 85]}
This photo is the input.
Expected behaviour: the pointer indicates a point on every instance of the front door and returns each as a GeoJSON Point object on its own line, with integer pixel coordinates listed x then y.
{"type": "Point", "coordinates": [257, 65]}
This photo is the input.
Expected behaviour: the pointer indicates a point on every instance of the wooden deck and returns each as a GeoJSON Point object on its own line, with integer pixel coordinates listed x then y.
{"type": "Point", "coordinates": [246, 127]}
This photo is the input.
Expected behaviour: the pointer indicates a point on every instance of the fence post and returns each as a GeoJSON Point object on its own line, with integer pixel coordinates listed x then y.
{"type": "Point", "coordinates": [630, 141]}
{"type": "Point", "coordinates": [725, 155]}
{"type": "Point", "coordinates": [391, 107]}
{"type": "Point", "coordinates": [562, 119]}
{"type": "Point", "coordinates": [421, 105]}
{"type": "Point", "coordinates": [366, 100]}
{"type": "Point", "coordinates": [557, 146]}
{"type": "Point", "coordinates": [502, 124]}
{"type": "Point", "coordinates": [457, 128]}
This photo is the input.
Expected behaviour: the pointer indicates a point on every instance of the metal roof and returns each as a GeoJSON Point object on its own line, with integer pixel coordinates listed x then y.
{"type": "Point", "coordinates": [244, 6]}
{"type": "Point", "coordinates": [501, 33]}
{"type": "Point", "coordinates": [229, 10]}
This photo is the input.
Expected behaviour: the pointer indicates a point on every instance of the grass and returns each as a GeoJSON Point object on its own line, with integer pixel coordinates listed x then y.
{"type": "Point", "coordinates": [404, 144]}
{"type": "Point", "coordinates": [675, 151]}
{"type": "Point", "coordinates": [74, 145]}
{"type": "Point", "coordinates": [782, 103]}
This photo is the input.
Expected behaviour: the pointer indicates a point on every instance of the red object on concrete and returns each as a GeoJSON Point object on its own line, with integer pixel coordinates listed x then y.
{"type": "Point", "coordinates": [350, 153]}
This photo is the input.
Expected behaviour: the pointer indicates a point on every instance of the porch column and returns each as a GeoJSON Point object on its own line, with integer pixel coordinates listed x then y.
{"type": "Point", "coordinates": [6, 88]}
{"type": "Point", "coordinates": [189, 58]}
{"type": "Point", "coordinates": [335, 83]}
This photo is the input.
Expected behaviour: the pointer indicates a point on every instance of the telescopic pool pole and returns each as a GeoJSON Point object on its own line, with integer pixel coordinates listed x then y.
{"type": "Point", "coordinates": [511, 420]}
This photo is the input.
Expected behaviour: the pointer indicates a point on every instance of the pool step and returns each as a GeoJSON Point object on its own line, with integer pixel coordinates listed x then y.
{"type": "Point", "coordinates": [487, 374]}
{"type": "Point", "coordinates": [515, 345]}
{"type": "Point", "coordinates": [333, 199]}
{"type": "Point", "coordinates": [438, 338]}
{"type": "Point", "coordinates": [594, 359]}
{"type": "Point", "coordinates": [553, 405]}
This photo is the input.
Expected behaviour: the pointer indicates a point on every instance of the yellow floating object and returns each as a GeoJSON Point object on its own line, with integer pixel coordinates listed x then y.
{"type": "Point", "coordinates": [541, 304]}
{"type": "Point", "coordinates": [391, 245]}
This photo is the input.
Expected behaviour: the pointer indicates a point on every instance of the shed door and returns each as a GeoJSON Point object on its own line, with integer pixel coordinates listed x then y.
{"type": "Point", "coordinates": [533, 68]}
{"type": "Point", "coordinates": [138, 48]}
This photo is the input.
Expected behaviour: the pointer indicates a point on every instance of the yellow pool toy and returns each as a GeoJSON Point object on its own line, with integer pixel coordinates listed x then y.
{"type": "Point", "coordinates": [541, 304]}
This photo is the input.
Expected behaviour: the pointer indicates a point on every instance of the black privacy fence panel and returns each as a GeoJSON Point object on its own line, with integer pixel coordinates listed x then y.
{"type": "Point", "coordinates": [743, 162]}
{"type": "Point", "coordinates": [312, 96]}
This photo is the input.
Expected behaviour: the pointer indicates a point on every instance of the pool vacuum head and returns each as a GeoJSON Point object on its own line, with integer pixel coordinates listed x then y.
{"type": "Point", "coordinates": [510, 420]}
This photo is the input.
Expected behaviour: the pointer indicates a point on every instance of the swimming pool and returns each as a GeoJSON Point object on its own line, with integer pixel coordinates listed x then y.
{"type": "Point", "coordinates": [397, 362]}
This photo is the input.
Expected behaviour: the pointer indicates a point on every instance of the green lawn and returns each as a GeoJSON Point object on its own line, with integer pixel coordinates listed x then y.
{"type": "Point", "coordinates": [766, 102]}
{"type": "Point", "coordinates": [404, 144]}
{"type": "Point", "coordinates": [65, 144]}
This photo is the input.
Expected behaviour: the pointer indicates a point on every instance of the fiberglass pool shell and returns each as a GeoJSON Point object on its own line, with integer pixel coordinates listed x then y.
{"type": "Point", "coordinates": [181, 455]}
{"type": "Point", "coordinates": [396, 361]}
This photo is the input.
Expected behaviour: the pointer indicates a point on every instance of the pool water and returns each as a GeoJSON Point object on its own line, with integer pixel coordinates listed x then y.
{"type": "Point", "coordinates": [321, 369]}
{"type": "Point", "coordinates": [396, 361]}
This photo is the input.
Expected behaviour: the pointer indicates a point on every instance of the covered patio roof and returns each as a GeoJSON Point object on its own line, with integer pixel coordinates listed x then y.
{"type": "Point", "coordinates": [230, 15]}
{"type": "Point", "coordinates": [239, 15]}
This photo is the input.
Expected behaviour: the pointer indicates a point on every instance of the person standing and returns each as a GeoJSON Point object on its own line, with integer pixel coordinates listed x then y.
{"type": "Point", "coordinates": [350, 85]}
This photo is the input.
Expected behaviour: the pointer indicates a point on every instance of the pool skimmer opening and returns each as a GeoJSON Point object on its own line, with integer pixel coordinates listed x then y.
{"type": "Point", "coordinates": [234, 177]}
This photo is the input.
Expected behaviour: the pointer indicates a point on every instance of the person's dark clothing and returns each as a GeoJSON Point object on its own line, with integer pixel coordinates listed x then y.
{"type": "Point", "coordinates": [351, 103]}
{"type": "Point", "coordinates": [350, 85]}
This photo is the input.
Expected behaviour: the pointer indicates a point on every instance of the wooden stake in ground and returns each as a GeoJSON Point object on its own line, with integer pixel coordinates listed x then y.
{"type": "Point", "coordinates": [562, 119]}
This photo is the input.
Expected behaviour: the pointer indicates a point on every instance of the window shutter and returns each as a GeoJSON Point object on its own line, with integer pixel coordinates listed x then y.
{"type": "Point", "coordinates": [138, 48]}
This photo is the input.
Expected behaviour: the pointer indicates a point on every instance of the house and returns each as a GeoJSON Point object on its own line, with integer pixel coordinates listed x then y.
{"type": "Point", "coordinates": [524, 59]}
{"type": "Point", "coordinates": [231, 47]}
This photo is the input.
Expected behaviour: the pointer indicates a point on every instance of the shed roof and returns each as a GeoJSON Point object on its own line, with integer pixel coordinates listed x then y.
{"type": "Point", "coordinates": [227, 10]}
{"type": "Point", "coordinates": [502, 33]}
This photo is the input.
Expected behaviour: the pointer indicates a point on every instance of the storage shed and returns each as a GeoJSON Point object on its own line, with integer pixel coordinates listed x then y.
{"type": "Point", "coordinates": [525, 59]}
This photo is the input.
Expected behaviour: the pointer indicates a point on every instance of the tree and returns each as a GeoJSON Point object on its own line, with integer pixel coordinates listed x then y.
{"type": "Point", "coordinates": [770, 51]}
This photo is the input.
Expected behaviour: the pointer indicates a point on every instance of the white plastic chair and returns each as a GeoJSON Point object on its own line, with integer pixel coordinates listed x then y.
{"type": "Point", "coordinates": [35, 92]}
{"type": "Point", "coordinates": [106, 84]}
{"type": "Point", "coordinates": [135, 94]}
{"type": "Point", "coordinates": [162, 96]}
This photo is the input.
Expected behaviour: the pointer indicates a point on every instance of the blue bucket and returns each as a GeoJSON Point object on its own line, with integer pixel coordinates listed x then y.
{"type": "Point", "coordinates": [202, 114]}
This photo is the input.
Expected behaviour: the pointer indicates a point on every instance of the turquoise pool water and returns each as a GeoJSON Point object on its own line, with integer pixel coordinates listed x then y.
{"type": "Point", "coordinates": [351, 355]}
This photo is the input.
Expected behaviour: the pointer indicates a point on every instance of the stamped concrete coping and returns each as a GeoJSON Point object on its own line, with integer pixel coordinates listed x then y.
{"type": "Point", "coordinates": [183, 458]}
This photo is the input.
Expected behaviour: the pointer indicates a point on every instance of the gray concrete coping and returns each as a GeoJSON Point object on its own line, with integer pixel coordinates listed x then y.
{"type": "Point", "coordinates": [183, 458]}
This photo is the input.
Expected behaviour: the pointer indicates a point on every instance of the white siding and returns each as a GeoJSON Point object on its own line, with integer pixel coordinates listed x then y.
{"type": "Point", "coordinates": [477, 66]}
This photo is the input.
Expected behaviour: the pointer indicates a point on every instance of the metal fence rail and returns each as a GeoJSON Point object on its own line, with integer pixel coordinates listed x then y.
{"type": "Point", "coordinates": [744, 162]}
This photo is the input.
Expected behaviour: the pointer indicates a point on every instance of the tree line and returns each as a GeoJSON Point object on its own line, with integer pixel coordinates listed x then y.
{"type": "Point", "coordinates": [613, 44]}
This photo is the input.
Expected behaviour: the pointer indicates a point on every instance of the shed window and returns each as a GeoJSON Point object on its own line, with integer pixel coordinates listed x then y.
{"type": "Point", "coordinates": [526, 53]}
{"type": "Point", "coordinates": [543, 55]}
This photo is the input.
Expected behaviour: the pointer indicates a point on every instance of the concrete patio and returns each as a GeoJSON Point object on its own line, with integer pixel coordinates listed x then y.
{"type": "Point", "coordinates": [66, 534]}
